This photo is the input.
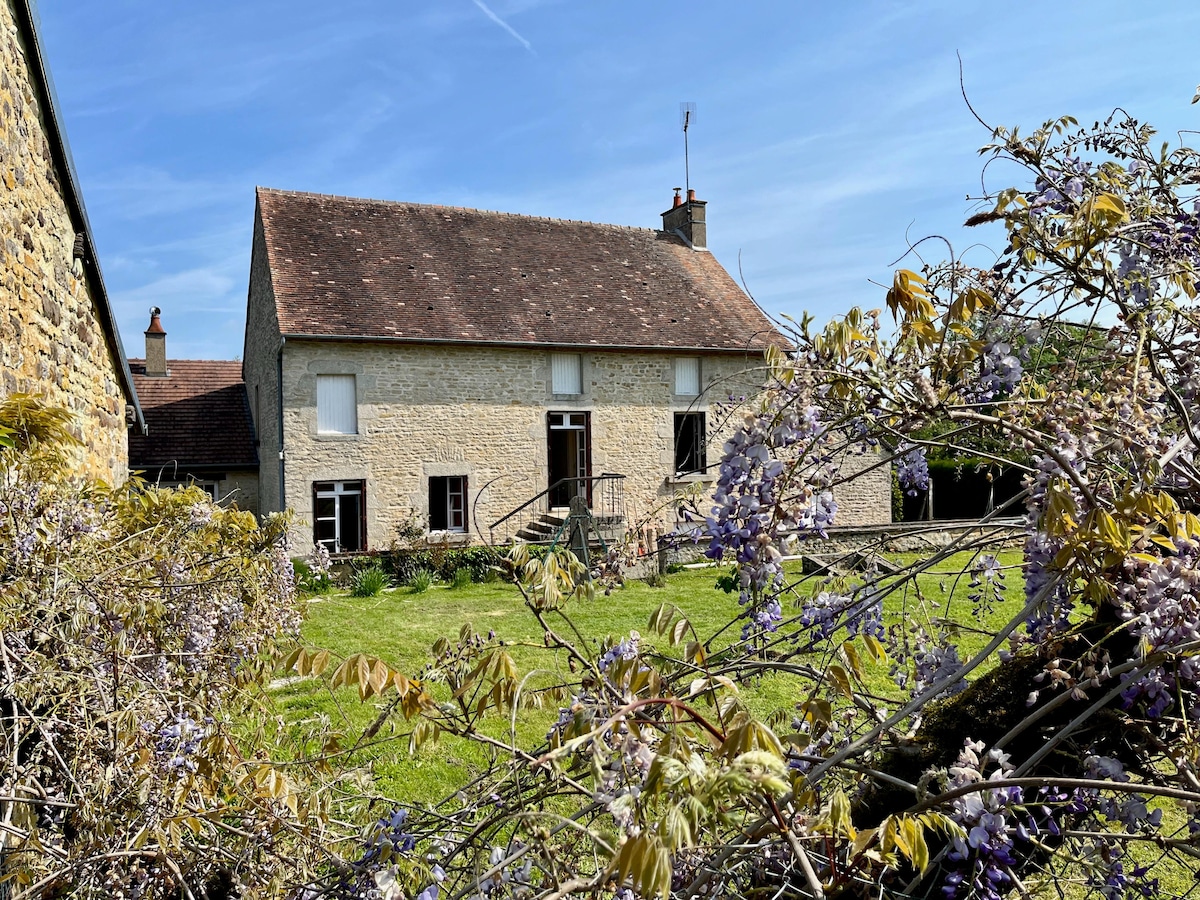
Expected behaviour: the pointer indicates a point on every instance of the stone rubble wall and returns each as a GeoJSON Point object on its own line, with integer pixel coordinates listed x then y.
{"type": "Point", "coordinates": [51, 342]}
{"type": "Point", "coordinates": [240, 489]}
{"type": "Point", "coordinates": [899, 537]}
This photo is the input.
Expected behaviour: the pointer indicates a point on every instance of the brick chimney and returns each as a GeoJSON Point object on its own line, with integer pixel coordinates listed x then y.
{"type": "Point", "coordinates": [156, 346]}
{"type": "Point", "coordinates": [685, 218]}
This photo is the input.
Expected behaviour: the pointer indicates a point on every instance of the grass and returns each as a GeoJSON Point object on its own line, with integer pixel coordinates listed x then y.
{"type": "Point", "coordinates": [401, 627]}
{"type": "Point", "coordinates": [368, 582]}
{"type": "Point", "coordinates": [420, 581]}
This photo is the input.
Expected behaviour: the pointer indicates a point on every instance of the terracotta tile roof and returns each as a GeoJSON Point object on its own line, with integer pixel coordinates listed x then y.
{"type": "Point", "coordinates": [198, 417]}
{"type": "Point", "coordinates": [343, 267]}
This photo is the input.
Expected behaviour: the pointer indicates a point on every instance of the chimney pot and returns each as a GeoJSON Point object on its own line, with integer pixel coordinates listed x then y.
{"type": "Point", "coordinates": [155, 324]}
{"type": "Point", "coordinates": [686, 219]}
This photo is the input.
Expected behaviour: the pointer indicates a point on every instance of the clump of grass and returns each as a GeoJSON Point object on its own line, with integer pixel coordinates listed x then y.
{"type": "Point", "coordinates": [368, 582]}
{"type": "Point", "coordinates": [421, 580]}
{"type": "Point", "coordinates": [462, 579]}
{"type": "Point", "coordinates": [655, 579]}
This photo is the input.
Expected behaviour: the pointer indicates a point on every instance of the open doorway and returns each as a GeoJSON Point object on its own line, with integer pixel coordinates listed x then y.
{"type": "Point", "coordinates": [569, 446]}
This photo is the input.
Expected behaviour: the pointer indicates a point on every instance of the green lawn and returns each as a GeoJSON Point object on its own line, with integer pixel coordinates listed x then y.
{"type": "Point", "coordinates": [401, 627]}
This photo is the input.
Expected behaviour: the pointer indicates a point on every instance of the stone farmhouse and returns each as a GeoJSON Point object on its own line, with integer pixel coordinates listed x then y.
{"type": "Point", "coordinates": [58, 337]}
{"type": "Point", "coordinates": [465, 371]}
{"type": "Point", "coordinates": [198, 422]}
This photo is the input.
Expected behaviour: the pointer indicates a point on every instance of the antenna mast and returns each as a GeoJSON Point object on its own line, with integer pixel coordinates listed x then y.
{"type": "Point", "coordinates": [687, 112]}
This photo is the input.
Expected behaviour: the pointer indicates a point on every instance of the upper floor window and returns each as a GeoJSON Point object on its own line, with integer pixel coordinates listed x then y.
{"type": "Point", "coordinates": [687, 376]}
{"type": "Point", "coordinates": [566, 373]}
{"type": "Point", "coordinates": [337, 405]}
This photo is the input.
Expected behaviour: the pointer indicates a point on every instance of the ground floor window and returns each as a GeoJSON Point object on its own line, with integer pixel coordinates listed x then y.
{"type": "Point", "coordinates": [448, 503]}
{"type": "Point", "coordinates": [689, 443]}
{"type": "Point", "coordinates": [209, 487]}
{"type": "Point", "coordinates": [340, 515]}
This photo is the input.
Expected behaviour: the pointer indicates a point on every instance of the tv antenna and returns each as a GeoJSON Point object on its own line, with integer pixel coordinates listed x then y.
{"type": "Point", "coordinates": [687, 115]}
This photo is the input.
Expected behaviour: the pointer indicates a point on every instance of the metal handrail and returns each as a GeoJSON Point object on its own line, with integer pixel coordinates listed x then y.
{"type": "Point", "coordinates": [607, 476]}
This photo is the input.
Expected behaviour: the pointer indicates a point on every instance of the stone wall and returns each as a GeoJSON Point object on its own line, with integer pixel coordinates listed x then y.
{"type": "Point", "coordinates": [51, 342]}
{"type": "Point", "coordinates": [864, 497]}
{"type": "Point", "coordinates": [240, 488]}
{"type": "Point", "coordinates": [260, 363]}
{"type": "Point", "coordinates": [898, 537]}
{"type": "Point", "coordinates": [428, 411]}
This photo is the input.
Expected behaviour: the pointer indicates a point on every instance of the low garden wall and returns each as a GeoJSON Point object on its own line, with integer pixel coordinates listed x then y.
{"type": "Point", "coordinates": [898, 537]}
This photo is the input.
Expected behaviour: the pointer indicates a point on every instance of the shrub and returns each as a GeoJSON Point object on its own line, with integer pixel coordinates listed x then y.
{"type": "Point", "coordinates": [137, 626]}
{"type": "Point", "coordinates": [368, 582]}
{"type": "Point", "coordinates": [655, 579]}
{"type": "Point", "coordinates": [310, 581]}
{"type": "Point", "coordinates": [402, 563]}
{"type": "Point", "coordinates": [462, 578]}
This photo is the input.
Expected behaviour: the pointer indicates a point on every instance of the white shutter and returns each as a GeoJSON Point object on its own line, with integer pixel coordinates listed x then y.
{"type": "Point", "coordinates": [687, 376]}
{"type": "Point", "coordinates": [566, 373]}
{"type": "Point", "coordinates": [337, 405]}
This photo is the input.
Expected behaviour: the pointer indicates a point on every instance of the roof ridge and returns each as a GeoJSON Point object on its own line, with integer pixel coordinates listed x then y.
{"type": "Point", "coordinates": [142, 359]}
{"type": "Point", "coordinates": [470, 209]}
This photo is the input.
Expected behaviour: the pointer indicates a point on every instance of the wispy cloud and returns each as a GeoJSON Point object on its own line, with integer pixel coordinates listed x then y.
{"type": "Point", "coordinates": [499, 21]}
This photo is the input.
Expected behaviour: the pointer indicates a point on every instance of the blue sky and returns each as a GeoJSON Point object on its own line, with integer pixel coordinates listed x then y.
{"type": "Point", "coordinates": [825, 134]}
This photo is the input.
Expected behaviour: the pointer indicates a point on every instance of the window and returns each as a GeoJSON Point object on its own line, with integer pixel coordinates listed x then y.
{"type": "Point", "coordinates": [209, 487]}
{"type": "Point", "coordinates": [337, 405]}
{"type": "Point", "coordinates": [566, 373]}
{"type": "Point", "coordinates": [339, 515]}
{"type": "Point", "coordinates": [687, 376]}
{"type": "Point", "coordinates": [689, 443]}
{"type": "Point", "coordinates": [448, 503]}
{"type": "Point", "coordinates": [569, 448]}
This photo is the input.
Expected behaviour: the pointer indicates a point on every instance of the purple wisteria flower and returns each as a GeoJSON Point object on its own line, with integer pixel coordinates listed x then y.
{"type": "Point", "coordinates": [773, 484]}
{"type": "Point", "coordinates": [178, 743]}
{"type": "Point", "coordinates": [912, 469]}
{"type": "Point", "coordinates": [1002, 372]}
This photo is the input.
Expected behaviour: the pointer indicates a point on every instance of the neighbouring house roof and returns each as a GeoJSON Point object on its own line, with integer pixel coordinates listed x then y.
{"type": "Point", "coordinates": [343, 268]}
{"type": "Point", "coordinates": [60, 154]}
{"type": "Point", "coordinates": [198, 417]}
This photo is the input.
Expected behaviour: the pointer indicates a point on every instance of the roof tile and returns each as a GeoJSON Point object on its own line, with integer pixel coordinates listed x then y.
{"type": "Point", "coordinates": [197, 416]}
{"type": "Point", "coordinates": [343, 267]}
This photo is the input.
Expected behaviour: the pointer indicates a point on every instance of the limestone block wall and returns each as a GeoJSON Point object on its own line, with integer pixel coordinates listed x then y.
{"type": "Point", "coordinates": [239, 488]}
{"type": "Point", "coordinates": [51, 342]}
{"type": "Point", "coordinates": [865, 498]}
{"type": "Point", "coordinates": [428, 411]}
{"type": "Point", "coordinates": [260, 364]}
